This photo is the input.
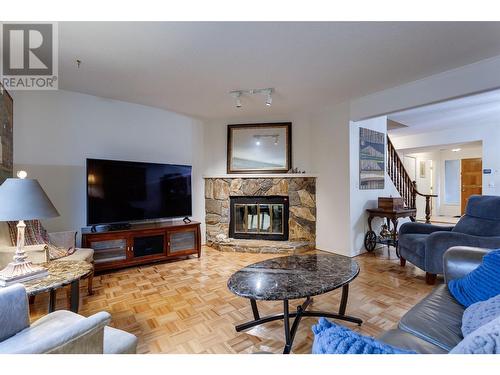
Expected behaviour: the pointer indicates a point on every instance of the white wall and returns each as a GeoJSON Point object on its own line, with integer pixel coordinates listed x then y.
{"type": "Point", "coordinates": [330, 160]}
{"type": "Point", "coordinates": [215, 139]}
{"type": "Point", "coordinates": [320, 146]}
{"type": "Point", "coordinates": [360, 200]}
{"type": "Point", "coordinates": [55, 131]}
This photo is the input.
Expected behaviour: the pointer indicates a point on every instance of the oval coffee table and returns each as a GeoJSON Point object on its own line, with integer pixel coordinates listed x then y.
{"type": "Point", "coordinates": [293, 277]}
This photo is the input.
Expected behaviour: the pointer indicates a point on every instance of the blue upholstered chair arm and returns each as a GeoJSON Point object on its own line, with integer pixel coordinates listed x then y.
{"type": "Point", "coordinates": [462, 239]}
{"type": "Point", "coordinates": [14, 311]}
{"type": "Point", "coordinates": [437, 243]}
{"type": "Point", "coordinates": [421, 228]}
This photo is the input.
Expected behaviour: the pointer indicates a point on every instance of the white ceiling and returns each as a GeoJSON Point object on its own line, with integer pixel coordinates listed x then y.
{"type": "Point", "coordinates": [474, 110]}
{"type": "Point", "coordinates": [190, 67]}
{"type": "Point", "coordinates": [447, 147]}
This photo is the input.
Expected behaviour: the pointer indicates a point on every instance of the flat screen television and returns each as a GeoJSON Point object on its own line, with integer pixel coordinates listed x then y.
{"type": "Point", "coordinates": [125, 191]}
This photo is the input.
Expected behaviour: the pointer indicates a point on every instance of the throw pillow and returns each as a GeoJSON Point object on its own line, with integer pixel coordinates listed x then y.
{"type": "Point", "coordinates": [331, 338]}
{"type": "Point", "coordinates": [480, 313]}
{"type": "Point", "coordinates": [480, 284]}
{"type": "Point", "coordinates": [484, 340]}
{"type": "Point", "coordinates": [35, 234]}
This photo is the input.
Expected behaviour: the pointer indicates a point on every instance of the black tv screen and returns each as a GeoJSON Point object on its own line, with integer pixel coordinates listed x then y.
{"type": "Point", "coordinates": [124, 191]}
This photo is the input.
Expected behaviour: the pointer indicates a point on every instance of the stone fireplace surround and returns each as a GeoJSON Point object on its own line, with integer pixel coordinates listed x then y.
{"type": "Point", "coordinates": [300, 190]}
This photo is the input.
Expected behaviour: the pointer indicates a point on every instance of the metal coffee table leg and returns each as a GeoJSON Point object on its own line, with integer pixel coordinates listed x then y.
{"type": "Point", "coordinates": [286, 321]}
{"type": "Point", "coordinates": [301, 312]}
{"type": "Point", "coordinates": [343, 300]}
{"type": "Point", "coordinates": [255, 310]}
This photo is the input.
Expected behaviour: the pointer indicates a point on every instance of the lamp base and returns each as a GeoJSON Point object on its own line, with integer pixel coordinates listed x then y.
{"type": "Point", "coordinates": [19, 272]}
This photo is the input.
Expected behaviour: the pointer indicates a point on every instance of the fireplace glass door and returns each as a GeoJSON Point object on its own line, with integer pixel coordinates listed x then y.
{"type": "Point", "coordinates": [258, 218]}
{"type": "Point", "coordinates": [255, 220]}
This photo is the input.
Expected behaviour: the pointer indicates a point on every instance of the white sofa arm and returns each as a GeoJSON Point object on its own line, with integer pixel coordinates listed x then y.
{"type": "Point", "coordinates": [35, 253]}
{"type": "Point", "coordinates": [63, 239]}
{"type": "Point", "coordinates": [60, 332]}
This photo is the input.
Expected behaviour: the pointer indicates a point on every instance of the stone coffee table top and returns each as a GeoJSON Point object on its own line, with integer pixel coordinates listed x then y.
{"type": "Point", "coordinates": [61, 273]}
{"type": "Point", "coordinates": [291, 277]}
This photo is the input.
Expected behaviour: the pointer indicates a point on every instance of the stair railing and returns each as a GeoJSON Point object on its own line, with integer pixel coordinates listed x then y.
{"type": "Point", "coordinates": [403, 182]}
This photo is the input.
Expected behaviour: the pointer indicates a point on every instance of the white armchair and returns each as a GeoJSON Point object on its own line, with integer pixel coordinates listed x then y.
{"type": "Point", "coordinates": [60, 332]}
{"type": "Point", "coordinates": [67, 239]}
{"type": "Point", "coordinates": [63, 239]}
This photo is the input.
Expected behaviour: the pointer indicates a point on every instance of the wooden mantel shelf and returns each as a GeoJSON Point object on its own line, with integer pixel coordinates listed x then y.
{"type": "Point", "coordinates": [268, 175]}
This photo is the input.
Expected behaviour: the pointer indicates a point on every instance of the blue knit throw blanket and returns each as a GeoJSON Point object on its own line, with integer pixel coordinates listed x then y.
{"type": "Point", "coordinates": [332, 338]}
{"type": "Point", "coordinates": [480, 284]}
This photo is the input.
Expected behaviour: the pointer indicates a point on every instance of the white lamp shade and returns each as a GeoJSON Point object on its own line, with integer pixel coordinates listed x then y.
{"type": "Point", "coordinates": [24, 199]}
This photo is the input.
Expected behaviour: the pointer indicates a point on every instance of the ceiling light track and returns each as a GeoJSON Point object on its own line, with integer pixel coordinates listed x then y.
{"type": "Point", "coordinates": [237, 94]}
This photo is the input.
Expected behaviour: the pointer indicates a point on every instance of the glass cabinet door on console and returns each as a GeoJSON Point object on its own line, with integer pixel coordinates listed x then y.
{"type": "Point", "coordinates": [107, 250]}
{"type": "Point", "coordinates": [182, 241]}
{"type": "Point", "coordinates": [151, 244]}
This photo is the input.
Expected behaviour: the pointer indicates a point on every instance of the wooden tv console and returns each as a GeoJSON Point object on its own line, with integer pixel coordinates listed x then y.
{"type": "Point", "coordinates": [143, 243]}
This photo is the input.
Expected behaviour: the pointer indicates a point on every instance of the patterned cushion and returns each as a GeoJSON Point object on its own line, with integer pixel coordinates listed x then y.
{"type": "Point", "coordinates": [35, 234]}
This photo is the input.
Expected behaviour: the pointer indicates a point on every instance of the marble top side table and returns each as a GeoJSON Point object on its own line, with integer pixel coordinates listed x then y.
{"type": "Point", "coordinates": [61, 273]}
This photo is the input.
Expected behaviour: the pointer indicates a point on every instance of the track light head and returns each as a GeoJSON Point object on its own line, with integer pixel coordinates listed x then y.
{"type": "Point", "coordinates": [236, 96]}
{"type": "Point", "coordinates": [269, 98]}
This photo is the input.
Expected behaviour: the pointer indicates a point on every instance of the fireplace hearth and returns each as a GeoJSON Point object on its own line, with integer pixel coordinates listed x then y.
{"type": "Point", "coordinates": [263, 218]}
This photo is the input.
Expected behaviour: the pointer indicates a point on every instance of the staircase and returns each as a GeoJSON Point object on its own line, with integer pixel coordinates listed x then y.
{"type": "Point", "coordinates": [404, 184]}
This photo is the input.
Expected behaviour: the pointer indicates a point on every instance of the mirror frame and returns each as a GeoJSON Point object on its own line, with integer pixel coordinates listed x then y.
{"type": "Point", "coordinates": [288, 151]}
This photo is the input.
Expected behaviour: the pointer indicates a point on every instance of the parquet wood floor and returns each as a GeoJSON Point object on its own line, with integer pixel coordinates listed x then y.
{"type": "Point", "coordinates": [185, 306]}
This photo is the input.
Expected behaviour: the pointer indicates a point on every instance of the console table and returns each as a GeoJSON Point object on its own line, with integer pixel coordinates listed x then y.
{"type": "Point", "coordinates": [392, 216]}
{"type": "Point", "coordinates": [143, 243]}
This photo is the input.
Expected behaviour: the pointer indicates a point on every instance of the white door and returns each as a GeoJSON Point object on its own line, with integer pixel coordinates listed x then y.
{"type": "Point", "coordinates": [425, 182]}
{"type": "Point", "coordinates": [410, 164]}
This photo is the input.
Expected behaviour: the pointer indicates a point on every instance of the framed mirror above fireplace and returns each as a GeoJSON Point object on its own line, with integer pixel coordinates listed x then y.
{"type": "Point", "coordinates": [259, 218]}
{"type": "Point", "coordinates": [259, 148]}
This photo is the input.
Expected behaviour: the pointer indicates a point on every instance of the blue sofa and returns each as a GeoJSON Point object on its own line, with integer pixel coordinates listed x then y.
{"type": "Point", "coordinates": [424, 244]}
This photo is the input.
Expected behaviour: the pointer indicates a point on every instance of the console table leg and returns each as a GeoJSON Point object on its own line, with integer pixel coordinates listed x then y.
{"type": "Point", "coordinates": [343, 300]}
{"type": "Point", "coordinates": [255, 309]}
{"type": "Point", "coordinates": [75, 296]}
{"type": "Point", "coordinates": [370, 219]}
{"type": "Point", "coordinates": [52, 300]}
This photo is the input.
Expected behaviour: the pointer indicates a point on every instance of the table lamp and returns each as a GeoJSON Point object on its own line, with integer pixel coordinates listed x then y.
{"type": "Point", "coordinates": [23, 199]}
